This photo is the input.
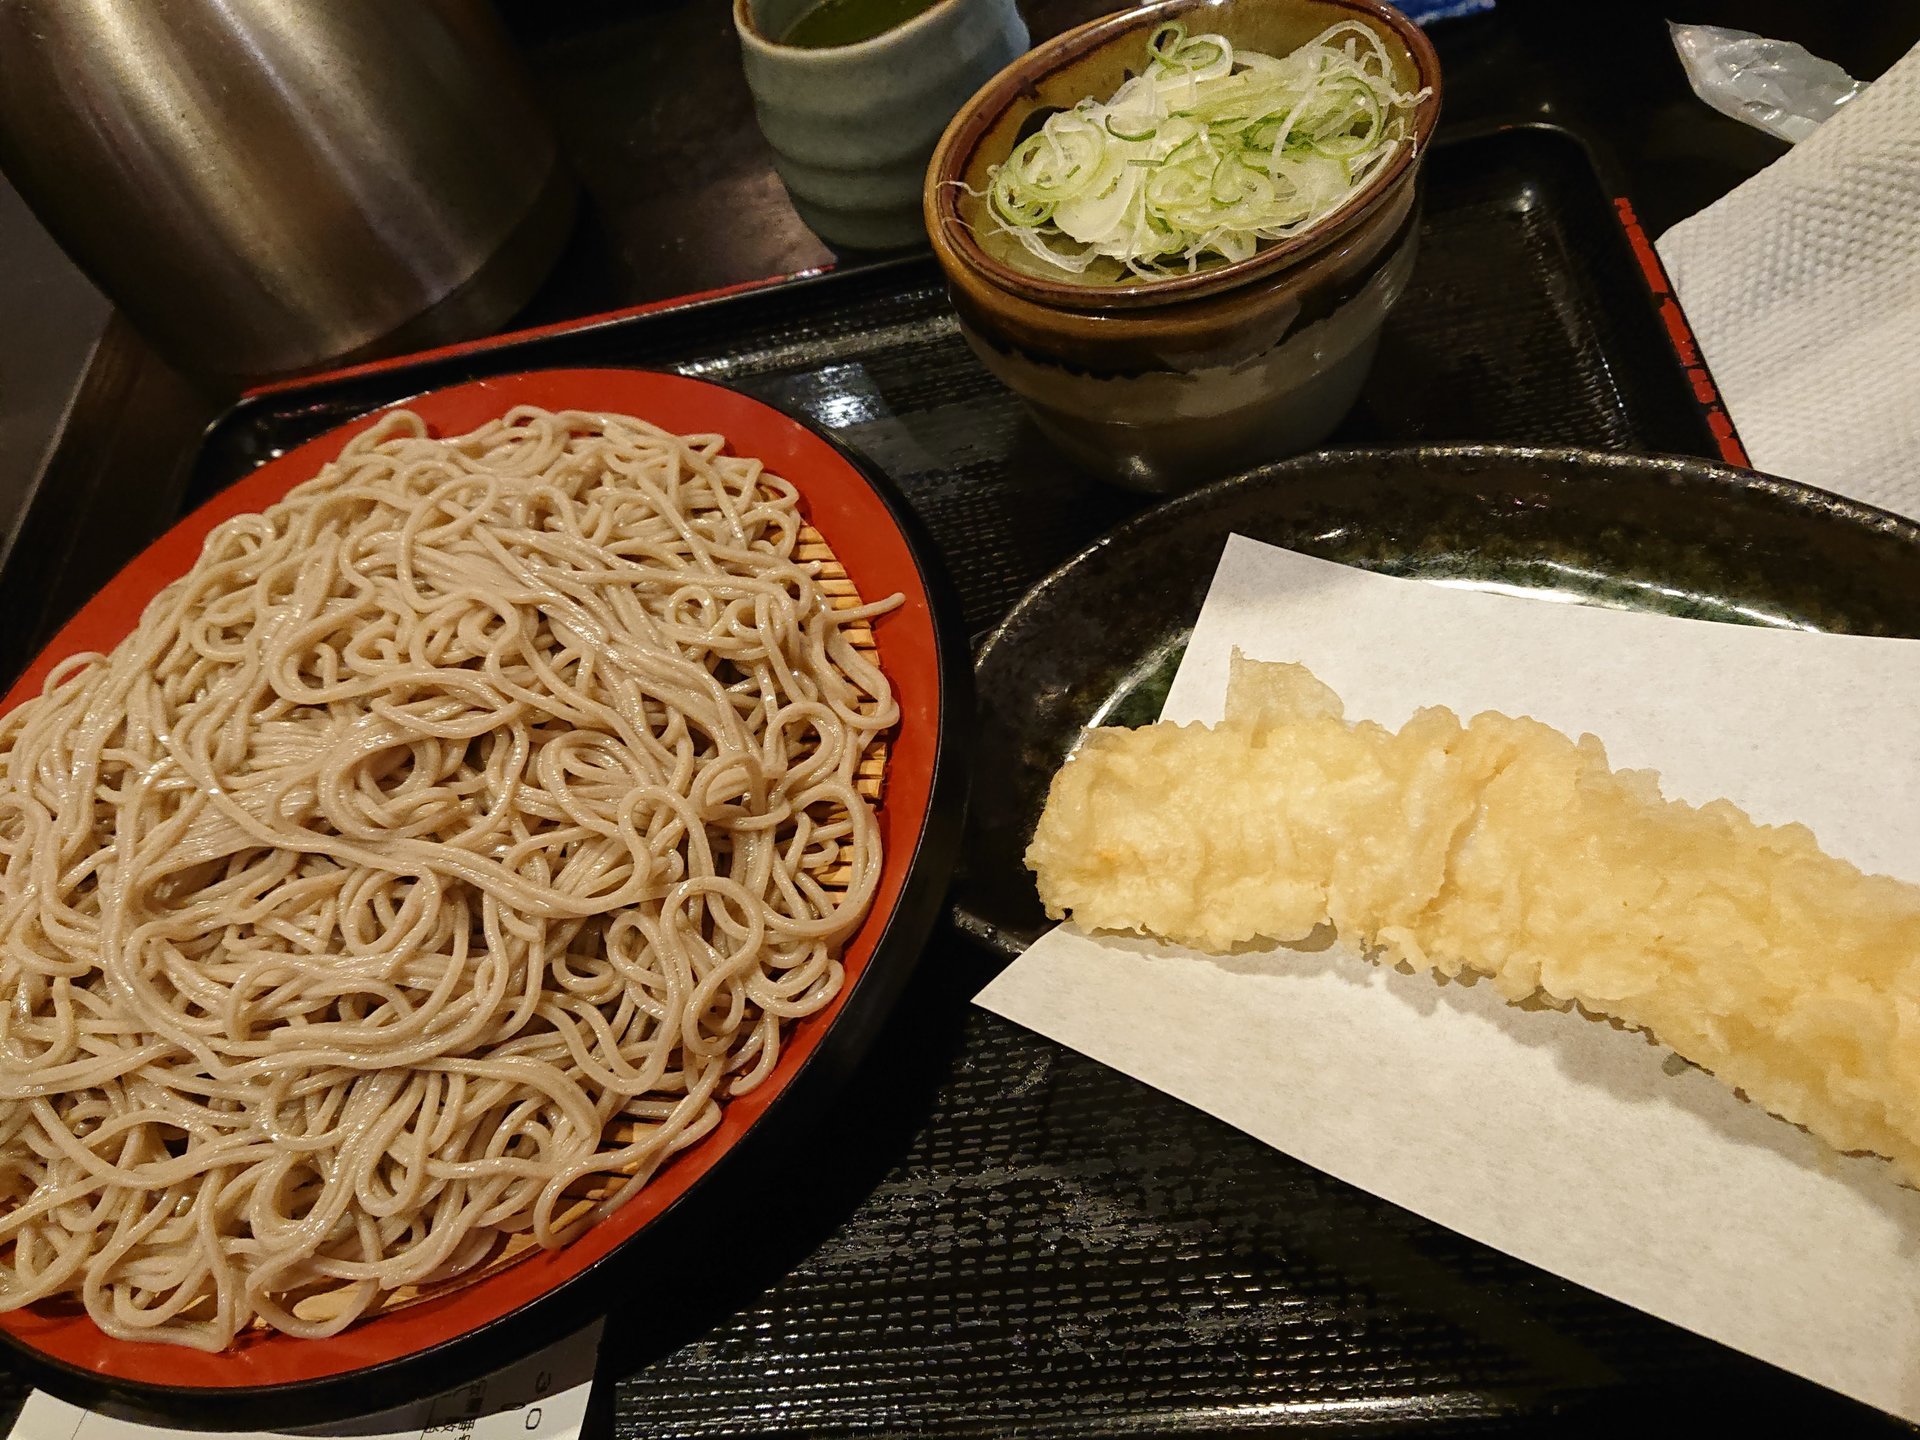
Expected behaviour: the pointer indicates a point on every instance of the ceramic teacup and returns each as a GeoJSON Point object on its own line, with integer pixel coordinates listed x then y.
{"type": "Point", "coordinates": [852, 126]}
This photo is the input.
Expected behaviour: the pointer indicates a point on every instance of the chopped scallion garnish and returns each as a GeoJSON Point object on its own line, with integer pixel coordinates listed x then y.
{"type": "Point", "coordinates": [1206, 154]}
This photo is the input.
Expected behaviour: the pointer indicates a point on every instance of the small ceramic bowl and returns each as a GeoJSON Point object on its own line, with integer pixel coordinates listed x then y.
{"type": "Point", "coordinates": [1163, 384]}
{"type": "Point", "coordinates": [851, 126]}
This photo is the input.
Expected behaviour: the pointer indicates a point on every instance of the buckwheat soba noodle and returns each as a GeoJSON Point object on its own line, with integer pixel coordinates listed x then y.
{"type": "Point", "coordinates": [447, 846]}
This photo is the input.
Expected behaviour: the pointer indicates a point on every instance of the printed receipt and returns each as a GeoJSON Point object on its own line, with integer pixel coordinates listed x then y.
{"type": "Point", "coordinates": [544, 1397]}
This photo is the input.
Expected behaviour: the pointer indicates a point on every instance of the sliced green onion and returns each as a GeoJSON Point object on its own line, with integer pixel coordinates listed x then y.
{"type": "Point", "coordinates": [1147, 131]}
{"type": "Point", "coordinates": [1206, 155]}
{"type": "Point", "coordinates": [1165, 42]}
{"type": "Point", "coordinates": [1203, 51]}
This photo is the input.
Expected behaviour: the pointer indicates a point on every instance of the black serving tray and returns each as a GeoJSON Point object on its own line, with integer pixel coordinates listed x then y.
{"type": "Point", "coordinates": [989, 1235]}
{"type": "Point", "coordinates": [1527, 320]}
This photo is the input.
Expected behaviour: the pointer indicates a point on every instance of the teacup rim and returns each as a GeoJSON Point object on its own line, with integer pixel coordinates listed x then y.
{"type": "Point", "coordinates": [750, 33]}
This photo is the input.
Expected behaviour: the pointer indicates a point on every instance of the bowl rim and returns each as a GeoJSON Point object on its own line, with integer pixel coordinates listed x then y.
{"type": "Point", "coordinates": [448, 1338]}
{"type": "Point", "coordinates": [954, 242]}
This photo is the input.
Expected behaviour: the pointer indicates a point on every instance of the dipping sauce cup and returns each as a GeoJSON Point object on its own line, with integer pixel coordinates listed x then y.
{"type": "Point", "coordinates": [1163, 384]}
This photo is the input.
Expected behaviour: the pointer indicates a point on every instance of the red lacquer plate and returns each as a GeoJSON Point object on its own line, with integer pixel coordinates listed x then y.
{"type": "Point", "coordinates": [429, 1346]}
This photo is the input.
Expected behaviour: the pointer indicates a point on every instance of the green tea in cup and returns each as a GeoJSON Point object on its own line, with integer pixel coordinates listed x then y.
{"type": "Point", "coordinates": [848, 22]}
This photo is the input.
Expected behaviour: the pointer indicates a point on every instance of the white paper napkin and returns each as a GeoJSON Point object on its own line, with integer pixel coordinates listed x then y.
{"type": "Point", "coordinates": [1549, 1136]}
{"type": "Point", "coordinates": [1803, 289]}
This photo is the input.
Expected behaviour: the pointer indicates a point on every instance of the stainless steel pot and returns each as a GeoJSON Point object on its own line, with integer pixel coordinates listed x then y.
{"type": "Point", "coordinates": [266, 185]}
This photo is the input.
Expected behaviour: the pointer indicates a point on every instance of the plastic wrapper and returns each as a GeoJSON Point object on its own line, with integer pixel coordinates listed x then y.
{"type": "Point", "coordinates": [1773, 85]}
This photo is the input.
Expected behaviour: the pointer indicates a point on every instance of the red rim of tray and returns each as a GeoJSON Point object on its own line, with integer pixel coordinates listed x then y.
{"type": "Point", "coordinates": [858, 524]}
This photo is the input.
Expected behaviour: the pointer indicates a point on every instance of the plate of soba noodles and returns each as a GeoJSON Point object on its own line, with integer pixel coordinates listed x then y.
{"type": "Point", "coordinates": [434, 861]}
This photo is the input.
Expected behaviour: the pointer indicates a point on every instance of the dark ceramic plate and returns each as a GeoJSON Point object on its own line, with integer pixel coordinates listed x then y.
{"type": "Point", "coordinates": [1097, 641]}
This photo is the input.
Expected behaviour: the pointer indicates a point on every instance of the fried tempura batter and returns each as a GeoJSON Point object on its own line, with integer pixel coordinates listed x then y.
{"type": "Point", "coordinates": [1505, 847]}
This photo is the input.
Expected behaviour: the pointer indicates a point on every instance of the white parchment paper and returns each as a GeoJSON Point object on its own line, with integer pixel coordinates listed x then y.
{"type": "Point", "coordinates": [1558, 1139]}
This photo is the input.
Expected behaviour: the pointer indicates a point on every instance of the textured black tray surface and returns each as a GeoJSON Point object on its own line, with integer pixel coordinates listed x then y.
{"type": "Point", "coordinates": [992, 1236]}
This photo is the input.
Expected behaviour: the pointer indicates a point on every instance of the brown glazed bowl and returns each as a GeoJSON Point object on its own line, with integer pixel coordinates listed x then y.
{"type": "Point", "coordinates": [1160, 385]}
